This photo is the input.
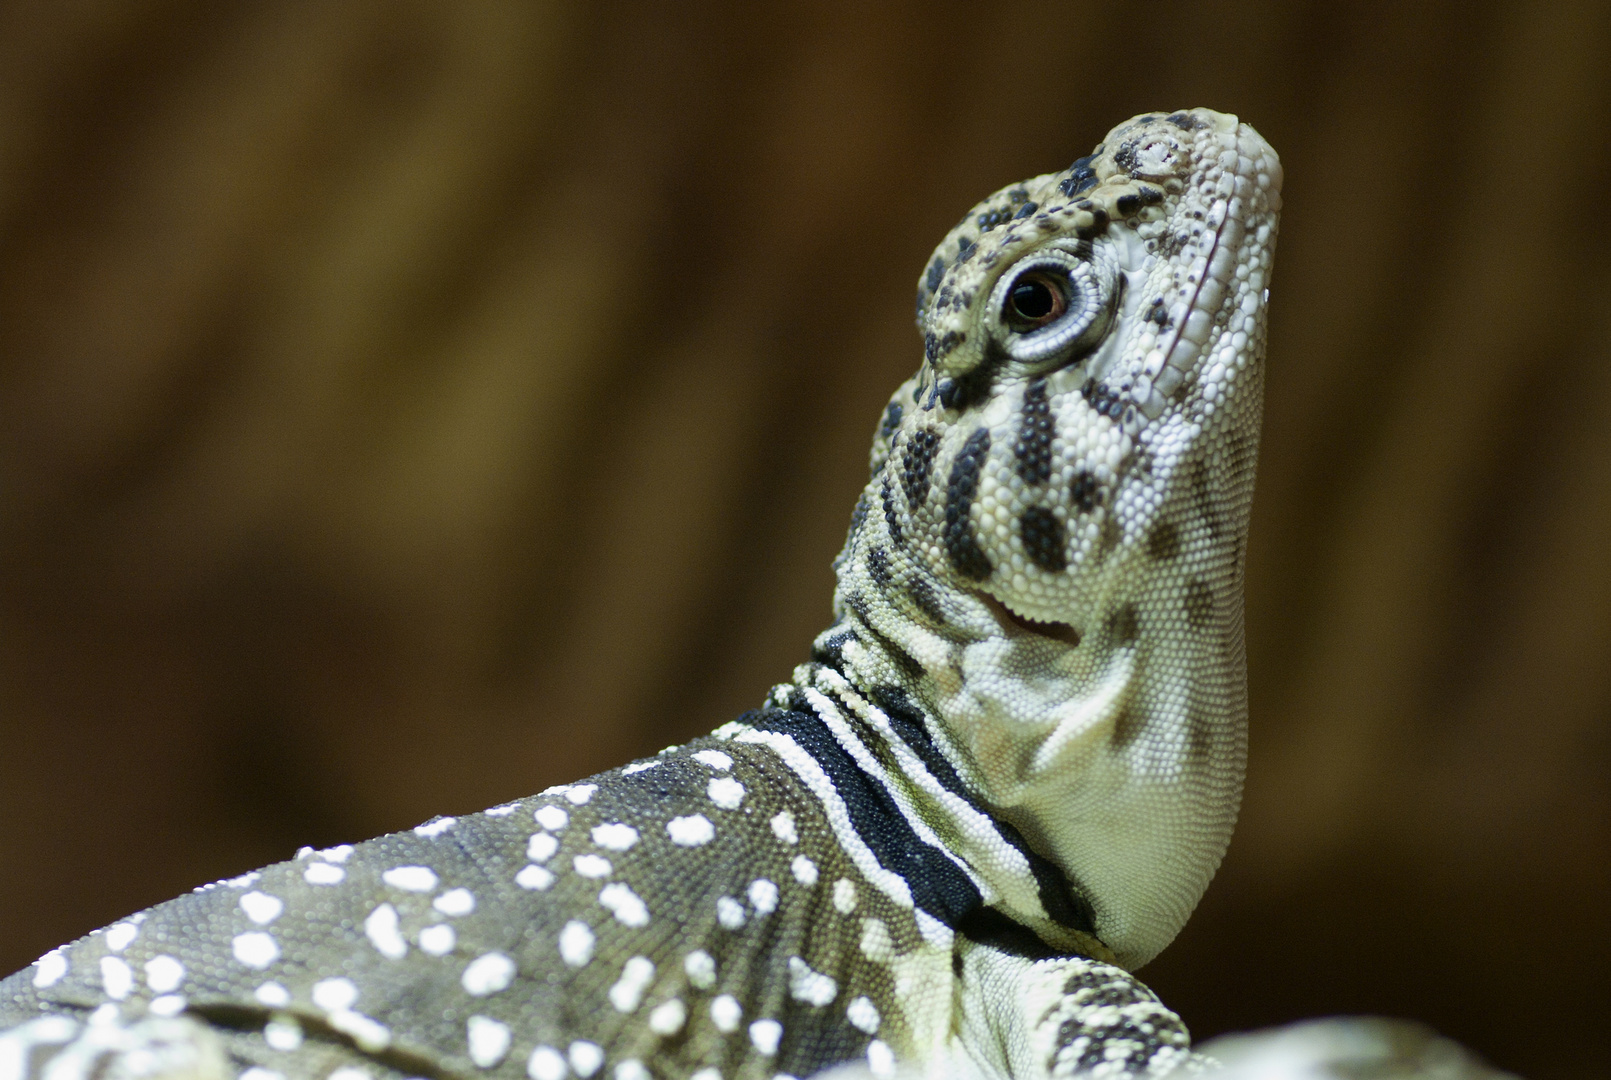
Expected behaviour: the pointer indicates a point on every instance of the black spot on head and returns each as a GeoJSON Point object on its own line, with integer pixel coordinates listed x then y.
{"type": "Point", "coordinates": [1128, 204]}
{"type": "Point", "coordinates": [965, 249]}
{"type": "Point", "coordinates": [1026, 209]}
{"type": "Point", "coordinates": [858, 518]}
{"type": "Point", "coordinates": [1186, 121]}
{"type": "Point", "coordinates": [1034, 447]}
{"type": "Point", "coordinates": [891, 421]}
{"type": "Point", "coordinates": [938, 346]}
{"type": "Point", "coordinates": [956, 965]}
{"type": "Point", "coordinates": [1122, 625]}
{"type": "Point", "coordinates": [1163, 542]}
{"type": "Point", "coordinates": [902, 659]}
{"type": "Point", "coordinates": [1199, 604]}
{"type": "Point", "coordinates": [1045, 539]}
{"type": "Point", "coordinates": [878, 567]}
{"type": "Point", "coordinates": [936, 274]}
{"type": "Point", "coordinates": [966, 556]}
{"type": "Point", "coordinates": [892, 517]}
{"type": "Point", "coordinates": [1081, 176]}
{"type": "Point", "coordinates": [917, 462]}
{"type": "Point", "coordinates": [1085, 491]}
{"type": "Point", "coordinates": [1157, 313]}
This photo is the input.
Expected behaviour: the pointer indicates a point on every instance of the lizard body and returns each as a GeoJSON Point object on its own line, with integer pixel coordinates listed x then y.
{"type": "Point", "coordinates": [1002, 781]}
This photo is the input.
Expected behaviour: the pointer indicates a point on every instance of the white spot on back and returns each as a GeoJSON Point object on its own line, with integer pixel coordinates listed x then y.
{"type": "Point", "coordinates": [320, 873]}
{"type": "Point", "coordinates": [349, 1072]}
{"type": "Point", "coordinates": [863, 1014]}
{"type": "Point", "coordinates": [502, 811]}
{"type": "Point", "coordinates": [257, 1072]}
{"type": "Point", "coordinates": [273, 995]}
{"type": "Point", "coordinates": [726, 1013]}
{"type": "Point", "coordinates": [489, 1040]}
{"type": "Point", "coordinates": [783, 828]}
{"type": "Point", "coordinates": [164, 974]}
{"type": "Point", "coordinates": [725, 792]}
{"type": "Point", "coordinates": [691, 831]}
{"type": "Point", "coordinates": [844, 896]}
{"type": "Point", "coordinates": [438, 940]}
{"type": "Point", "coordinates": [255, 949]}
{"type": "Point", "coordinates": [455, 902]}
{"type": "Point", "coordinates": [488, 974]}
{"type": "Point", "coordinates": [436, 826]}
{"type": "Point", "coordinates": [708, 1074]}
{"type": "Point", "coordinates": [765, 1035]}
{"type": "Point", "coordinates": [876, 944]}
{"type": "Point", "coordinates": [167, 1005]}
{"type": "Point", "coordinates": [592, 866]}
{"type": "Point", "coordinates": [636, 974]}
{"type": "Point", "coordinates": [120, 935]}
{"type": "Point", "coordinates": [639, 766]}
{"type": "Point", "coordinates": [249, 877]}
{"type": "Point", "coordinates": [545, 1064]}
{"type": "Point", "coordinates": [260, 907]}
{"type": "Point", "coordinates": [541, 846]}
{"type": "Point", "coordinates": [624, 904]}
{"type": "Point", "coordinates": [283, 1033]}
{"type": "Point", "coordinates": [730, 913]}
{"type": "Point", "coordinates": [880, 1058]}
{"type": "Point", "coordinates": [410, 878]}
{"type": "Point", "coordinates": [701, 969]}
{"type": "Point", "coordinates": [534, 877]}
{"type": "Point", "coordinates": [811, 987]}
{"type": "Point", "coordinates": [668, 1017]}
{"type": "Point", "coordinates": [579, 794]}
{"type": "Point", "coordinates": [804, 870]}
{"type": "Point", "coordinates": [763, 896]}
{"type": "Point", "coordinates": [117, 978]}
{"type": "Point", "coordinates": [381, 929]}
{"type": "Point", "coordinates": [552, 818]}
{"type": "Point", "coordinates": [50, 969]}
{"type": "Point", "coordinates": [586, 1057]}
{"type": "Point", "coordinates": [632, 1069]}
{"type": "Point", "coordinates": [339, 854]}
{"type": "Point", "coordinates": [576, 943]}
{"type": "Point", "coordinates": [335, 995]}
{"type": "Point", "coordinates": [615, 836]}
{"type": "Point", "coordinates": [715, 759]}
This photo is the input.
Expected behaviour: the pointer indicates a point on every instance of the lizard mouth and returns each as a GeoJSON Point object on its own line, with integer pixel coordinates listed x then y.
{"type": "Point", "coordinates": [1057, 631]}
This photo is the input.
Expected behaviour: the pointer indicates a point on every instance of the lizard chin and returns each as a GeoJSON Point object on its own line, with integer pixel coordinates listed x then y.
{"type": "Point", "coordinates": [1011, 621]}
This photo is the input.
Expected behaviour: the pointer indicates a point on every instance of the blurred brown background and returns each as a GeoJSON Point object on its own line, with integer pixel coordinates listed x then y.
{"type": "Point", "coordinates": [406, 406]}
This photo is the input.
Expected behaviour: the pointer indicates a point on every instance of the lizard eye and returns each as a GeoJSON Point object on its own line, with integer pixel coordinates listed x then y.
{"type": "Point", "coordinates": [1035, 299]}
{"type": "Point", "coordinates": [1052, 307]}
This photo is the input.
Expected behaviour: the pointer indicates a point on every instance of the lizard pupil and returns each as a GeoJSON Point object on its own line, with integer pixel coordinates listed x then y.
{"type": "Point", "coordinates": [1035, 300]}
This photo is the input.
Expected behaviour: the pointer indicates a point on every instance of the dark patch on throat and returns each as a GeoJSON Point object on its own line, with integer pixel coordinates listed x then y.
{"type": "Point", "coordinates": [961, 547]}
{"type": "Point", "coordinates": [1034, 448]}
{"type": "Point", "coordinates": [1045, 539]}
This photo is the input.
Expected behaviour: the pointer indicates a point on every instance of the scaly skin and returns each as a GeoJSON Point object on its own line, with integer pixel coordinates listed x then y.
{"type": "Point", "coordinates": [1004, 779]}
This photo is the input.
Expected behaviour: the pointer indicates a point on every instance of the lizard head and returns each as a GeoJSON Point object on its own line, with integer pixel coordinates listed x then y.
{"type": "Point", "coordinates": [1049, 554]}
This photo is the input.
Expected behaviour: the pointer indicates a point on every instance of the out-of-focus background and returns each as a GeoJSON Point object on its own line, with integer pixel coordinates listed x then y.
{"type": "Point", "coordinates": [406, 406]}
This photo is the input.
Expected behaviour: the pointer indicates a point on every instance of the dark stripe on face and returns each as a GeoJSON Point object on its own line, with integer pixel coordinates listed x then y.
{"type": "Point", "coordinates": [1045, 539]}
{"type": "Point", "coordinates": [961, 548]}
{"type": "Point", "coordinates": [1034, 448]}
{"type": "Point", "coordinates": [938, 885]}
{"type": "Point", "coordinates": [917, 461]}
{"type": "Point", "coordinates": [1065, 907]}
{"type": "Point", "coordinates": [922, 594]}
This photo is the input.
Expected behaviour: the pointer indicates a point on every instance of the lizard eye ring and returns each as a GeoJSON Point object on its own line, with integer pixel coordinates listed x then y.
{"type": "Point", "coordinates": [1049, 305]}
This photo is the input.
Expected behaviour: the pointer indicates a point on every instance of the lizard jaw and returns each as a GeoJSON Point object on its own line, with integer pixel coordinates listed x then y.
{"type": "Point", "coordinates": [1011, 620]}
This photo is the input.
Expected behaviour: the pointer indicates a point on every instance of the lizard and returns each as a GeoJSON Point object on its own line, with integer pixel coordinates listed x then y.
{"type": "Point", "coordinates": [1000, 784]}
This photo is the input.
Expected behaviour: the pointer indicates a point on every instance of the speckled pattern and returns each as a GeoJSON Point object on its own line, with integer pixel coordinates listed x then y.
{"type": "Point", "coordinates": [1003, 780]}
